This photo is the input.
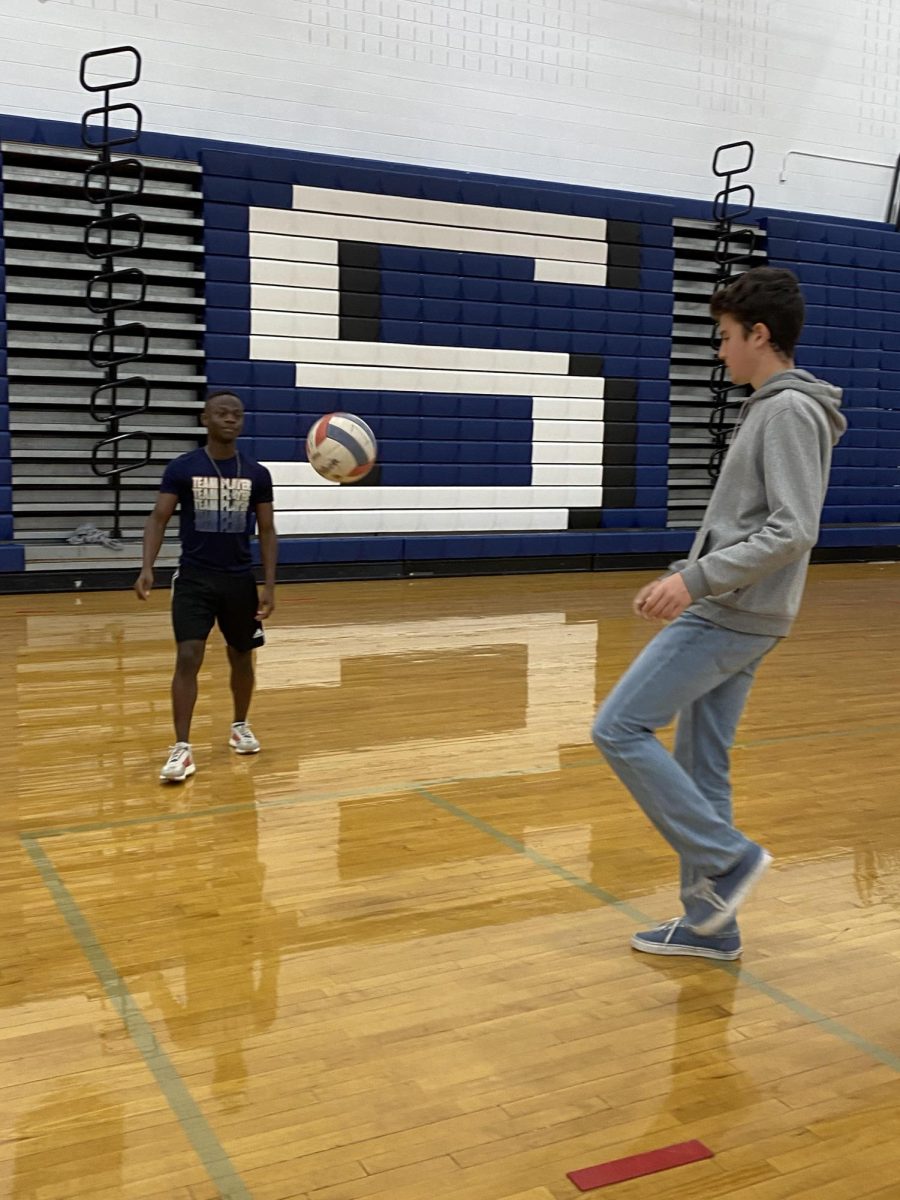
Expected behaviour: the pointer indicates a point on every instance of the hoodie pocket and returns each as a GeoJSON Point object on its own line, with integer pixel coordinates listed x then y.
{"type": "Point", "coordinates": [776, 595]}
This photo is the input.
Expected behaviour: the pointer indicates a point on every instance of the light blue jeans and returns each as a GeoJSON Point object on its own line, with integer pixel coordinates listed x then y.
{"type": "Point", "coordinates": [702, 674]}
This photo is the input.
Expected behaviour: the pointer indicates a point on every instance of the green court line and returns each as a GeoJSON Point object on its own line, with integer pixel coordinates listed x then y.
{"type": "Point", "coordinates": [799, 1007]}
{"type": "Point", "coordinates": [534, 856]}
{"type": "Point", "coordinates": [185, 1109]}
{"type": "Point", "coordinates": [594, 760]}
{"type": "Point", "coordinates": [219, 810]}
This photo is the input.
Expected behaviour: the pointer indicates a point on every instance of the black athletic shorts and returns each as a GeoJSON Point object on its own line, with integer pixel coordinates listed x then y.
{"type": "Point", "coordinates": [201, 598]}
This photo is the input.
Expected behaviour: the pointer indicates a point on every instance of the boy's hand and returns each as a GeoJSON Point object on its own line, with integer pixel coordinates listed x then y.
{"type": "Point", "coordinates": [663, 600]}
{"type": "Point", "coordinates": [637, 603]}
{"type": "Point", "coordinates": [266, 604]}
{"type": "Point", "coordinates": [143, 585]}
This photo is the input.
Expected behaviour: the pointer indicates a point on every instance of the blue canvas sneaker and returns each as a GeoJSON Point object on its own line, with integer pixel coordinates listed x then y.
{"type": "Point", "coordinates": [710, 905]}
{"type": "Point", "coordinates": [677, 937]}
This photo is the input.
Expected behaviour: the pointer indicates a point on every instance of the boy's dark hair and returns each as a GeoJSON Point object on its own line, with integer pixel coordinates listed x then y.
{"type": "Point", "coordinates": [769, 296]}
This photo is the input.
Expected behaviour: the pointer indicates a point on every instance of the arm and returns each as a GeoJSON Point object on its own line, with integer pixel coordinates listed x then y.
{"type": "Point", "coordinates": [792, 465]}
{"type": "Point", "coordinates": [268, 550]}
{"type": "Point", "coordinates": [154, 532]}
{"type": "Point", "coordinates": [675, 568]}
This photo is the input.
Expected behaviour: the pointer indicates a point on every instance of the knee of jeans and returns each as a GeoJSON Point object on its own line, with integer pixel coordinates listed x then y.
{"type": "Point", "coordinates": [608, 731]}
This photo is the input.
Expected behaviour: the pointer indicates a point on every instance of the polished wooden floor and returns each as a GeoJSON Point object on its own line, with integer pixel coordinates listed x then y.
{"type": "Point", "coordinates": [388, 957]}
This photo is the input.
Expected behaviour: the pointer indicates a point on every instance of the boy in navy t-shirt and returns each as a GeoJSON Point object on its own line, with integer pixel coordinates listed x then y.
{"type": "Point", "coordinates": [222, 495]}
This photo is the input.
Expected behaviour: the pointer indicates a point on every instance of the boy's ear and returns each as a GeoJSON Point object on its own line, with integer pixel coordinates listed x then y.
{"type": "Point", "coordinates": [761, 330]}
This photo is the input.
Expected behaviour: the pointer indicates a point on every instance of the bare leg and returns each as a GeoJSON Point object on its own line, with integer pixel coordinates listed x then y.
{"type": "Point", "coordinates": [242, 680]}
{"type": "Point", "coordinates": [184, 686]}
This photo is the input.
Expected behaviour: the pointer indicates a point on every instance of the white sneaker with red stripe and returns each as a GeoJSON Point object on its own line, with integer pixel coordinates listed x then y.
{"type": "Point", "coordinates": [179, 765]}
{"type": "Point", "coordinates": [242, 739]}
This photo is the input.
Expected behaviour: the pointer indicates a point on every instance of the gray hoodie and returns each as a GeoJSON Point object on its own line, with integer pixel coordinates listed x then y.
{"type": "Point", "coordinates": [747, 567]}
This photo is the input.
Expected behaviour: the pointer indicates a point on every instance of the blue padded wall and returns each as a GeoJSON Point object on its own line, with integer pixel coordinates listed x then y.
{"type": "Point", "coordinates": [508, 340]}
{"type": "Point", "coordinates": [851, 282]}
{"type": "Point", "coordinates": [508, 344]}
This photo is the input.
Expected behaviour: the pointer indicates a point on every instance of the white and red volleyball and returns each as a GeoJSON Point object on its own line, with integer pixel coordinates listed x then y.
{"type": "Point", "coordinates": [341, 447]}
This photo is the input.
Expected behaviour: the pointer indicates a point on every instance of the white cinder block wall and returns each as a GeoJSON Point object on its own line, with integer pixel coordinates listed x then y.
{"type": "Point", "coordinates": [631, 94]}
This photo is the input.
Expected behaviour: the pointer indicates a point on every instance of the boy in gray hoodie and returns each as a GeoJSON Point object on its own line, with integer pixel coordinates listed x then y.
{"type": "Point", "coordinates": [729, 602]}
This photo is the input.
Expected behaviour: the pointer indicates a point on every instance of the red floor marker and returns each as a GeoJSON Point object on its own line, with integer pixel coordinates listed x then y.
{"type": "Point", "coordinates": [637, 1165]}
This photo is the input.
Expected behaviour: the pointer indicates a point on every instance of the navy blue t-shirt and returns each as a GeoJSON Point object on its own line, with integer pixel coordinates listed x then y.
{"type": "Point", "coordinates": [218, 516]}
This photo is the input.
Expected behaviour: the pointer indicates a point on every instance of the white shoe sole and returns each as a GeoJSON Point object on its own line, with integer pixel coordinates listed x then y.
{"type": "Point", "coordinates": [684, 951]}
{"type": "Point", "coordinates": [188, 772]}
{"type": "Point", "coordinates": [238, 750]}
{"type": "Point", "coordinates": [719, 919]}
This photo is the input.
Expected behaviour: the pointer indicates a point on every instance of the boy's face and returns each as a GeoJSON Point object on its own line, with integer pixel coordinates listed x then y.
{"type": "Point", "coordinates": [223, 416]}
{"type": "Point", "coordinates": [741, 349]}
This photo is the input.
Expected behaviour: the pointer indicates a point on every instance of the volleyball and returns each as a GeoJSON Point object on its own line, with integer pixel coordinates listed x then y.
{"type": "Point", "coordinates": [341, 447]}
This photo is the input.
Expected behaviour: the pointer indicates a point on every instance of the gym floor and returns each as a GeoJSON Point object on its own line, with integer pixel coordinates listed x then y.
{"type": "Point", "coordinates": [388, 956]}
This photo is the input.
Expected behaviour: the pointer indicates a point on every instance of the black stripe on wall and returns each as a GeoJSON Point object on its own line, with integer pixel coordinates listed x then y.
{"type": "Point", "coordinates": [359, 284]}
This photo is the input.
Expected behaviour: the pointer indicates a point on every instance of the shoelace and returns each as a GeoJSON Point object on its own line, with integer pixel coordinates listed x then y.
{"type": "Point", "coordinates": [704, 890]}
{"type": "Point", "coordinates": [176, 752]}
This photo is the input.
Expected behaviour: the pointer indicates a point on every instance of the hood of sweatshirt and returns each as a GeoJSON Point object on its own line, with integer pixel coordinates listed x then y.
{"type": "Point", "coordinates": [824, 394]}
